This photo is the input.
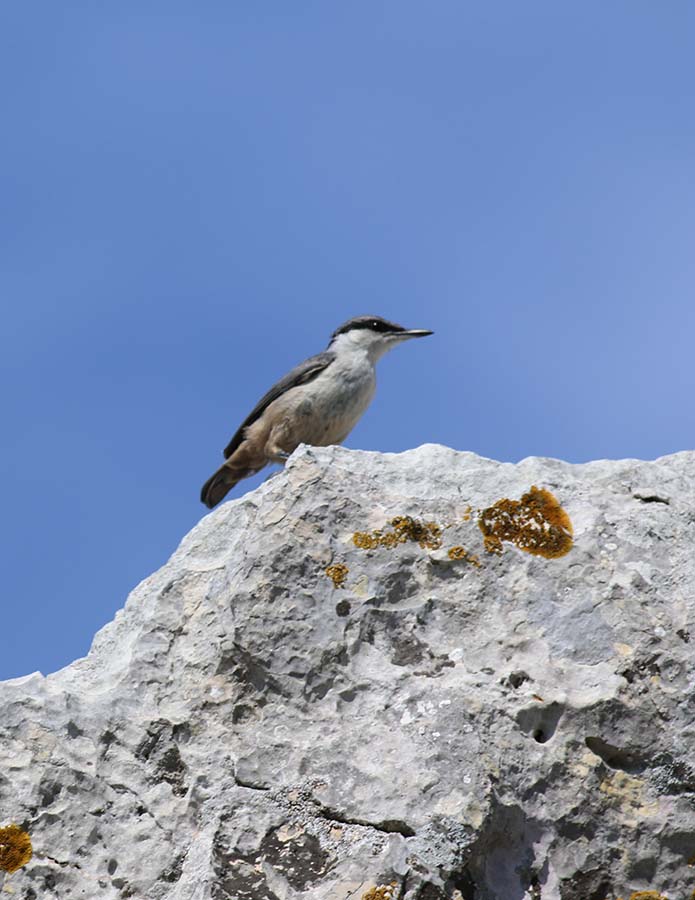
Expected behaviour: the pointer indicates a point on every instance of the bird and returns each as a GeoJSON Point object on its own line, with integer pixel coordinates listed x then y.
{"type": "Point", "coordinates": [318, 402]}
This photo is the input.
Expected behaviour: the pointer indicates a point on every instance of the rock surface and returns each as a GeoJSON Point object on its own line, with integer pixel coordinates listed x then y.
{"type": "Point", "coordinates": [247, 730]}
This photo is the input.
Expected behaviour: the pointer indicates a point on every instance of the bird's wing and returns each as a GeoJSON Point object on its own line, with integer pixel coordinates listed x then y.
{"type": "Point", "coordinates": [301, 374]}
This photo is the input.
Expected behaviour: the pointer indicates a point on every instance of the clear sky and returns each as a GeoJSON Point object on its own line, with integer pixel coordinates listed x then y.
{"type": "Point", "coordinates": [195, 195]}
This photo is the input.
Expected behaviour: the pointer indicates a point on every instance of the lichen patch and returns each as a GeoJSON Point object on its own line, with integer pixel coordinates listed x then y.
{"type": "Point", "coordinates": [382, 892]}
{"type": "Point", "coordinates": [338, 573]}
{"type": "Point", "coordinates": [460, 553]}
{"type": "Point", "coordinates": [646, 895]}
{"type": "Point", "coordinates": [404, 528]}
{"type": "Point", "coordinates": [626, 795]}
{"type": "Point", "coordinates": [536, 524]}
{"type": "Point", "coordinates": [15, 848]}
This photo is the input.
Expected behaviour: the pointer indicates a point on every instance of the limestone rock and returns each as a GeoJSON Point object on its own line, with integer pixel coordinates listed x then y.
{"type": "Point", "coordinates": [506, 727]}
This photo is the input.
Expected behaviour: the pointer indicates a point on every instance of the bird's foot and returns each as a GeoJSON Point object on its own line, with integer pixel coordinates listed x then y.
{"type": "Point", "coordinates": [279, 456]}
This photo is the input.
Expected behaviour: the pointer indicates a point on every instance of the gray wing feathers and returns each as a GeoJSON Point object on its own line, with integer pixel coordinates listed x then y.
{"type": "Point", "coordinates": [301, 374]}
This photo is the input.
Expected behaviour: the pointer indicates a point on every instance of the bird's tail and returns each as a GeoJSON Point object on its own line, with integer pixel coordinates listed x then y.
{"type": "Point", "coordinates": [218, 485]}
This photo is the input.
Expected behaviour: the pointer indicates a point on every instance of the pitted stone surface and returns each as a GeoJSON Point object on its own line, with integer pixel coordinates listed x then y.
{"type": "Point", "coordinates": [246, 730]}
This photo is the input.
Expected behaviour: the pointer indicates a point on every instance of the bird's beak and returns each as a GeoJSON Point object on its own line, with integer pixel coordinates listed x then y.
{"type": "Point", "coordinates": [413, 332]}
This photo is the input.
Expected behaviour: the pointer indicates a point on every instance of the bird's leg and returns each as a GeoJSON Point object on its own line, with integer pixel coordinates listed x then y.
{"type": "Point", "coordinates": [276, 454]}
{"type": "Point", "coordinates": [278, 439]}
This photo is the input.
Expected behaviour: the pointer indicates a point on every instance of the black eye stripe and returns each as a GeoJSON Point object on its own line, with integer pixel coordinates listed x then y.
{"type": "Point", "coordinates": [372, 323]}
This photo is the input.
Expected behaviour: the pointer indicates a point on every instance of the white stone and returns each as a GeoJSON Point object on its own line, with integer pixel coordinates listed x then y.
{"type": "Point", "coordinates": [244, 730]}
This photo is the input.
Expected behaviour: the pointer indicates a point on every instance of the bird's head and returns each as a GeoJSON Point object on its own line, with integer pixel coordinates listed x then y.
{"type": "Point", "coordinates": [372, 334]}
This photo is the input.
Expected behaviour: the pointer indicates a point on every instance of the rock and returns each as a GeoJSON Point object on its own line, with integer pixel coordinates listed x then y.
{"type": "Point", "coordinates": [493, 725]}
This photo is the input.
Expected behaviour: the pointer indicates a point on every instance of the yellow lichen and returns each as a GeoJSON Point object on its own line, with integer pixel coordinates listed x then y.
{"type": "Point", "coordinates": [646, 895]}
{"type": "Point", "coordinates": [536, 523]}
{"type": "Point", "coordinates": [15, 848]}
{"type": "Point", "coordinates": [366, 541]}
{"type": "Point", "coordinates": [337, 573]}
{"type": "Point", "coordinates": [405, 528]}
{"type": "Point", "coordinates": [457, 552]}
{"type": "Point", "coordinates": [427, 534]}
{"type": "Point", "coordinates": [383, 892]}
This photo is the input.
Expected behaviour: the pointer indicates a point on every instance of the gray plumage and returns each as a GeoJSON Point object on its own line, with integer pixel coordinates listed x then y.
{"type": "Point", "coordinates": [318, 402]}
{"type": "Point", "coordinates": [301, 374]}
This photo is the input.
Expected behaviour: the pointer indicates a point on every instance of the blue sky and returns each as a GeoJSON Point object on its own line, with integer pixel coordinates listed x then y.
{"type": "Point", "coordinates": [195, 195]}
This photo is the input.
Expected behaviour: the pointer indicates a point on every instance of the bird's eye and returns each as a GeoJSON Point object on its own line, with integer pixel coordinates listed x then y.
{"type": "Point", "coordinates": [375, 324]}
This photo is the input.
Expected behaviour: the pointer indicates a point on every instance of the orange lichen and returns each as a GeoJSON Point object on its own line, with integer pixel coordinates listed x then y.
{"type": "Point", "coordinates": [645, 895]}
{"type": "Point", "coordinates": [467, 514]}
{"type": "Point", "coordinates": [337, 573]}
{"type": "Point", "coordinates": [365, 541]}
{"type": "Point", "coordinates": [427, 534]}
{"type": "Point", "coordinates": [15, 848]}
{"type": "Point", "coordinates": [536, 523]}
{"type": "Point", "coordinates": [457, 552]}
{"type": "Point", "coordinates": [383, 892]}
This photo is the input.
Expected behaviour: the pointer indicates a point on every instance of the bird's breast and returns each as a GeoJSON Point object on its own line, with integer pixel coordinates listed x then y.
{"type": "Point", "coordinates": [330, 406]}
